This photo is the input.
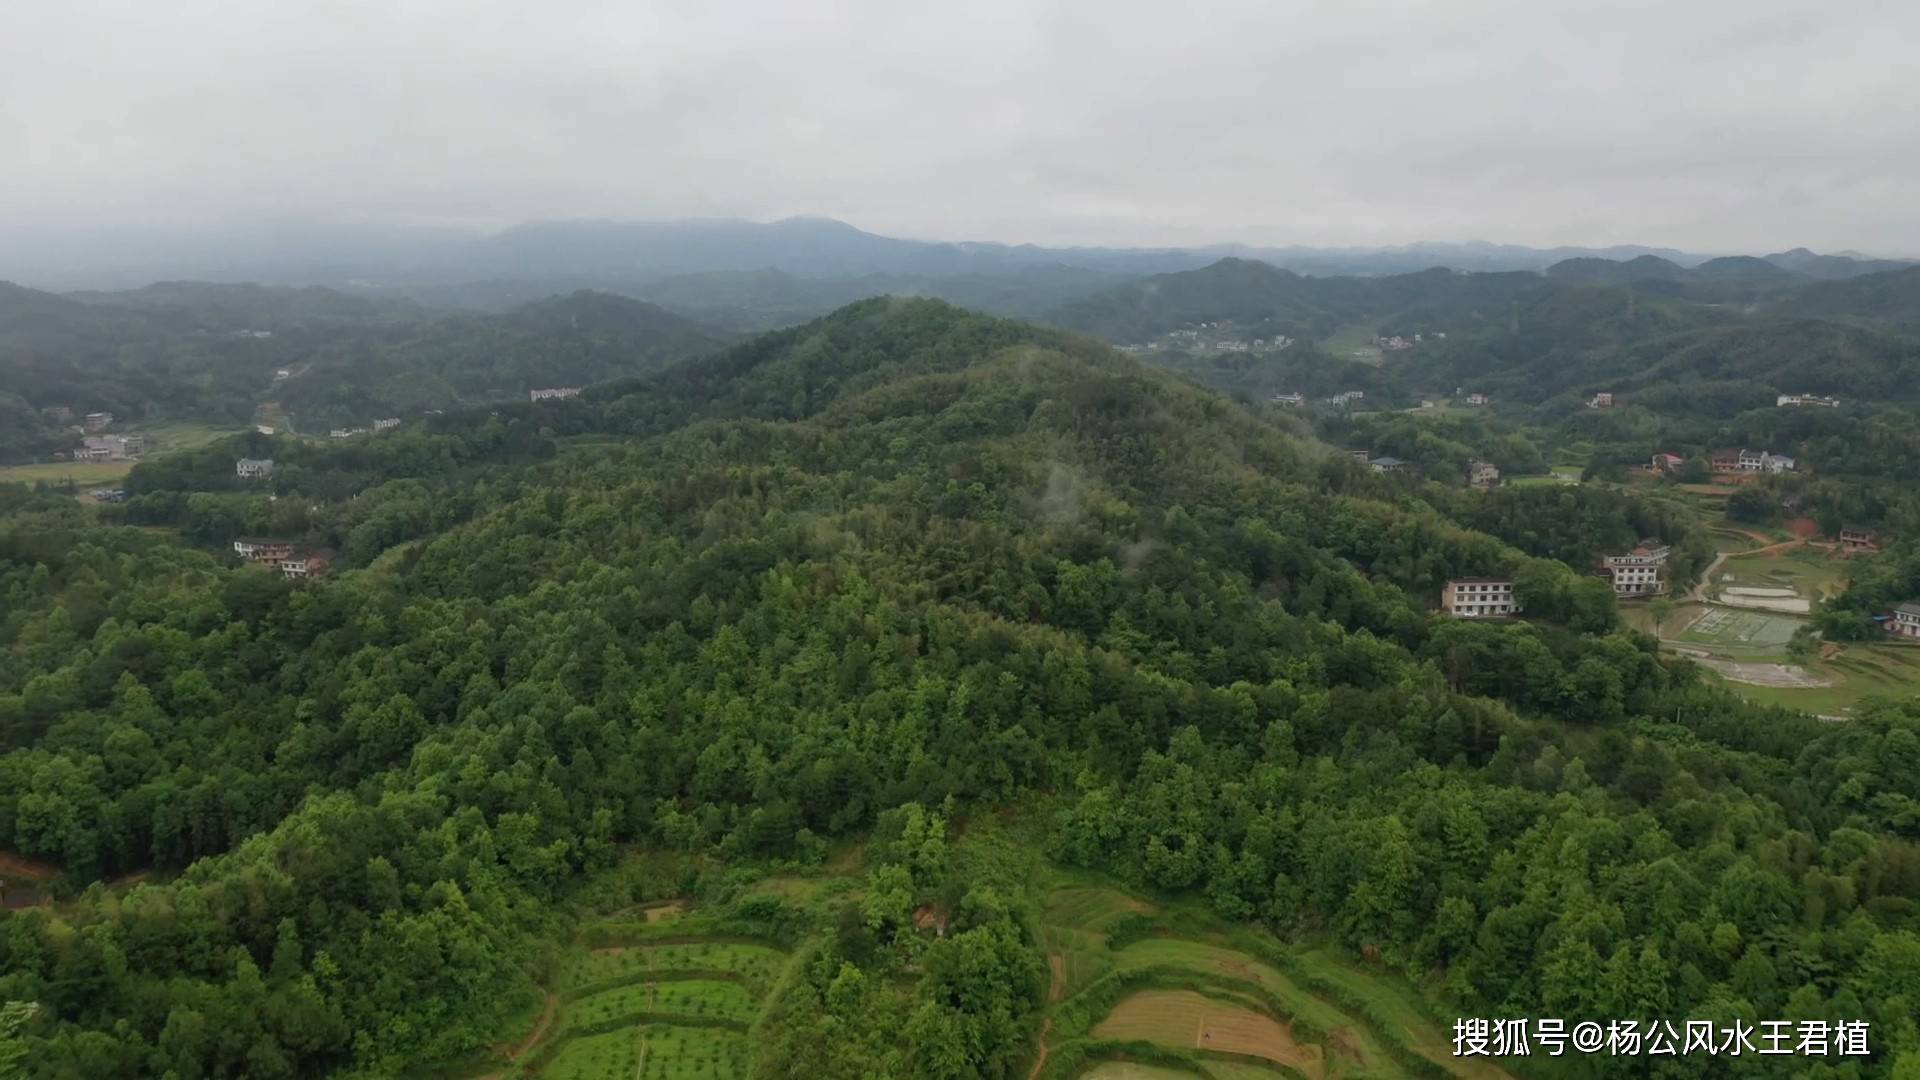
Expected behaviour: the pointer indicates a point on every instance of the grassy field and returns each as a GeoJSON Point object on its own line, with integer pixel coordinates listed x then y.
{"type": "Point", "coordinates": [1811, 572]}
{"type": "Point", "coordinates": [1123, 1070]}
{"type": "Point", "coordinates": [1859, 672]}
{"type": "Point", "coordinates": [1354, 338]}
{"type": "Point", "coordinates": [161, 438]}
{"type": "Point", "coordinates": [82, 473]}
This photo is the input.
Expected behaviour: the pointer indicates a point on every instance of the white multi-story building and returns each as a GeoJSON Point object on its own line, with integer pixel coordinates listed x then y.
{"type": "Point", "coordinates": [253, 468]}
{"type": "Point", "coordinates": [1790, 400]}
{"type": "Point", "coordinates": [388, 424]}
{"type": "Point", "coordinates": [1637, 573]}
{"type": "Point", "coordinates": [556, 392]}
{"type": "Point", "coordinates": [1483, 474]}
{"type": "Point", "coordinates": [1906, 620]}
{"type": "Point", "coordinates": [1475, 598]}
{"type": "Point", "coordinates": [1601, 400]}
{"type": "Point", "coordinates": [262, 549]}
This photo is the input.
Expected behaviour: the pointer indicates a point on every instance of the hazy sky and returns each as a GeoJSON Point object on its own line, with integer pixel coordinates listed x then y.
{"type": "Point", "coordinates": [1715, 125]}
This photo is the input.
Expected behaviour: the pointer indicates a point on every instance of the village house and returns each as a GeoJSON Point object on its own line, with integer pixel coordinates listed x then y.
{"type": "Point", "coordinates": [261, 549]}
{"type": "Point", "coordinates": [1859, 538]}
{"type": "Point", "coordinates": [264, 429]}
{"type": "Point", "coordinates": [1638, 572]}
{"type": "Point", "coordinates": [1906, 620]}
{"type": "Point", "coordinates": [556, 393]}
{"type": "Point", "coordinates": [1387, 464]}
{"type": "Point", "coordinates": [1474, 598]}
{"type": "Point", "coordinates": [1785, 401]}
{"type": "Point", "coordinates": [1287, 399]}
{"type": "Point", "coordinates": [1601, 400]}
{"type": "Point", "coordinates": [306, 562]}
{"type": "Point", "coordinates": [1361, 455]}
{"type": "Point", "coordinates": [101, 448]}
{"type": "Point", "coordinates": [1483, 474]}
{"type": "Point", "coordinates": [98, 421]}
{"type": "Point", "coordinates": [253, 468]}
{"type": "Point", "coordinates": [59, 414]}
{"type": "Point", "coordinates": [1346, 397]}
{"type": "Point", "coordinates": [1479, 399]}
{"type": "Point", "coordinates": [1777, 463]}
{"type": "Point", "coordinates": [1661, 463]}
{"type": "Point", "coordinates": [1723, 461]}
{"type": "Point", "coordinates": [388, 424]}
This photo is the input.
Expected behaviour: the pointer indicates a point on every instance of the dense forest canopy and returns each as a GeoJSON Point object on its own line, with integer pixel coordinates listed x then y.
{"type": "Point", "coordinates": [792, 596]}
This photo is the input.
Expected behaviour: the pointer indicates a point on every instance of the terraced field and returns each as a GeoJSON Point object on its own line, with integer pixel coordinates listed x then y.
{"type": "Point", "coordinates": [660, 1006]}
{"type": "Point", "coordinates": [1184, 1018]}
{"type": "Point", "coordinates": [1220, 1003]}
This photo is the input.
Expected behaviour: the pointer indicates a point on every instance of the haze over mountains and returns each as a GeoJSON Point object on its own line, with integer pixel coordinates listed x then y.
{"type": "Point", "coordinates": [389, 258]}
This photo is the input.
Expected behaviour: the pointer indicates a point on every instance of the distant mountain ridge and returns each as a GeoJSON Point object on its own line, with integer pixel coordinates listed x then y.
{"type": "Point", "coordinates": [593, 251]}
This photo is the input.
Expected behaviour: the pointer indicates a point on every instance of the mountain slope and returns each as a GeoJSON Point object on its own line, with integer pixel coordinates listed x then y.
{"type": "Point", "coordinates": [1264, 300]}
{"type": "Point", "coordinates": [1833, 267]}
{"type": "Point", "coordinates": [563, 341]}
{"type": "Point", "coordinates": [836, 604]}
{"type": "Point", "coordinates": [213, 354]}
{"type": "Point", "coordinates": [1890, 299]}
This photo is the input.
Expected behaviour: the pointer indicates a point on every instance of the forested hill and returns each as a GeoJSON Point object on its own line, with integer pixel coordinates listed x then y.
{"type": "Point", "coordinates": [214, 354]}
{"type": "Point", "coordinates": [749, 608]}
{"type": "Point", "coordinates": [1265, 300]}
{"type": "Point", "coordinates": [1889, 299]}
{"type": "Point", "coordinates": [1671, 354]}
{"type": "Point", "coordinates": [573, 340]}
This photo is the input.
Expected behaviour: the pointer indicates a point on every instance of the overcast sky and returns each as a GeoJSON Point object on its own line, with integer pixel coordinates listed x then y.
{"type": "Point", "coordinates": [1712, 125]}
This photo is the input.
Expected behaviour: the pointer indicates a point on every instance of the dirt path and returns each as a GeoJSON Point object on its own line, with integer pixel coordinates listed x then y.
{"type": "Point", "coordinates": [539, 1031]}
{"type": "Point", "coordinates": [12, 865]}
{"type": "Point", "coordinates": [1041, 1063]}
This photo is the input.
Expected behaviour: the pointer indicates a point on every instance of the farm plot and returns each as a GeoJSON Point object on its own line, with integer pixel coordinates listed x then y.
{"type": "Point", "coordinates": [700, 999]}
{"type": "Point", "coordinates": [1127, 1070]}
{"type": "Point", "coordinates": [660, 1008]}
{"type": "Point", "coordinates": [595, 1057]}
{"type": "Point", "coordinates": [1184, 1018]}
{"type": "Point", "coordinates": [753, 964]}
{"type": "Point", "coordinates": [1741, 632]}
{"type": "Point", "coordinates": [1354, 1049]}
{"type": "Point", "coordinates": [1073, 931]}
{"type": "Point", "coordinates": [683, 1053]}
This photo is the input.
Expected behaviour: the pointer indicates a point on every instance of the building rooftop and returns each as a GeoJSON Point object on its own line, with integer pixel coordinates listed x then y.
{"type": "Point", "coordinates": [1911, 607]}
{"type": "Point", "coordinates": [1387, 461]}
